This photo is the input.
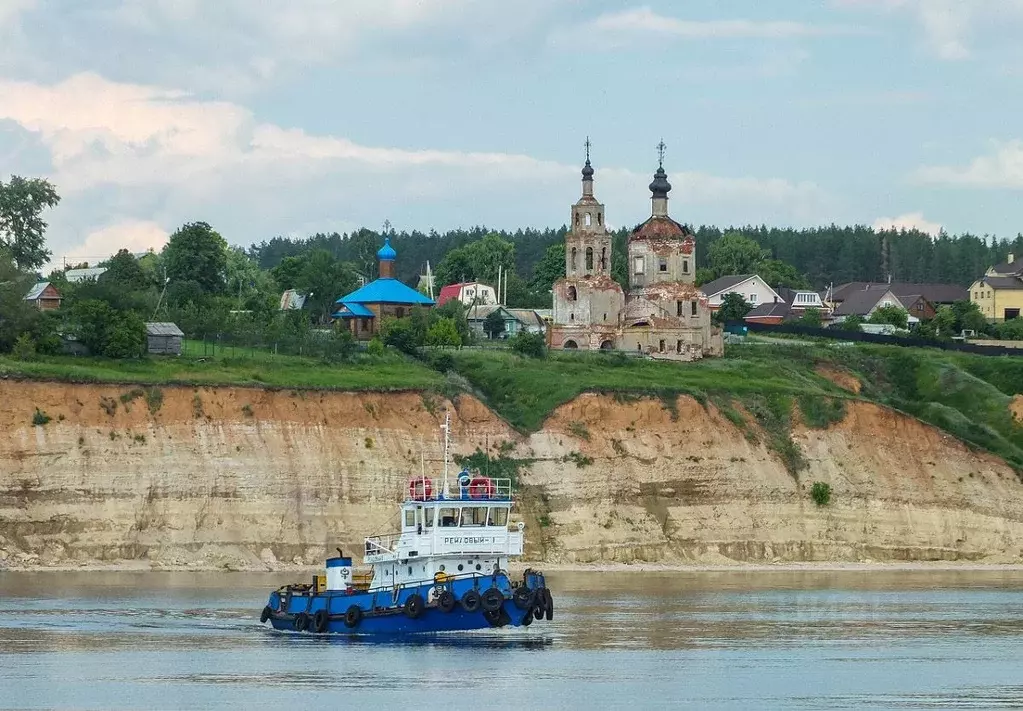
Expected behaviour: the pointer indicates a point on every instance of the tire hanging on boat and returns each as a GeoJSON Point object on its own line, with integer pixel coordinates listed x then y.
{"type": "Point", "coordinates": [523, 597]}
{"type": "Point", "coordinates": [492, 600]}
{"type": "Point", "coordinates": [301, 622]}
{"type": "Point", "coordinates": [265, 615]}
{"type": "Point", "coordinates": [471, 601]}
{"type": "Point", "coordinates": [538, 612]}
{"type": "Point", "coordinates": [527, 619]}
{"type": "Point", "coordinates": [320, 620]}
{"type": "Point", "coordinates": [548, 604]}
{"type": "Point", "coordinates": [414, 606]}
{"type": "Point", "coordinates": [493, 618]}
{"type": "Point", "coordinates": [353, 616]}
{"type": "Point", "coordinates": [446, 601]}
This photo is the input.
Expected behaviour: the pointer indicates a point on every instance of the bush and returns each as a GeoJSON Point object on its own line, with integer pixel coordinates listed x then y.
{"type": "Point", "coordinates": [531, 345]}
{"type": "Point", "coordinates": [24, 348]}
{"type": "Point", "coordinates": [820, 492]}
{"type": "Point", "coordinates": [375, 347]}
{"type": "Point", "coordinates": [40, 418]}
{"type": "Point", "coordinates": [442, 333]}
{"type": "Point", "coordinates": [441, 362]}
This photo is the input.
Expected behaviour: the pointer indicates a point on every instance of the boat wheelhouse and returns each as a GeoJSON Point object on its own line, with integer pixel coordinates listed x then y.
{"type": "Point", "coordinates": [445, 569]}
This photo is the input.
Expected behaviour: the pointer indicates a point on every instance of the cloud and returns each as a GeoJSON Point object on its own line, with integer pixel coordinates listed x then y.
{"type": "Point", "coordinates": [159, 157]}
{"type": "Point", "coordinates": [133, 235]}
{"type": "Point", "coordinates": [1001, 169]}
{"type": "Point", "coordinates": [909, 221]}
{"type": "Point", "coordinates": [642, 22]}
{"type": "Point", "coordinates": [949, 26]}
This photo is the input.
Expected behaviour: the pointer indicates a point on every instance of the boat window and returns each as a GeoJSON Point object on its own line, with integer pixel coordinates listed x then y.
{"type": "Point", "coordinates": [429, 513]}
{"type": "Point", "coordinates": [498, 517]}
{"type": "Point", "coordinates": [410, 518]}
{"type": "Point", "coordinates": [474, 516]}
{"type": "Point", "coordinates": [448, 518]}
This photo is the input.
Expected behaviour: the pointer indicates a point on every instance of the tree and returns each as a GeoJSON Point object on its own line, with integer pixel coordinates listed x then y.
{"type": "Point", "coordinates": [891, 315]}
{"type": "Point", "coordinates": [781, 274]}
{"type": "Point", "coordinates": [532, 345]}
{"type": "Point", "coordinates": [124, 272]}
{"type": "Point", "coordinates": [443, 332]}
{"type": "Point", "coordinates": [550, 268]}
{"type": "Point", "coordinates": [733, 308]}
{"type": "Point", "coordinates": [477, 261]}
{"type": "Point", "coordinates": [1011, 330]}
{"type": "Point", "coordinates": [320, 275]}
{"type": "Point", "coordinates": [944, 322]}
{"type": "Point", "coordinates": [811, 317]}
{"type": "Point", "coordinates": [401, 334]}
{"type": "Point", "coordinates": [493, 324]}
{"type": "Point", "coordinates": [852, 322]}
{"type": "Point", "coordinates": [735, 254]}
{"type": "Point", "coordinates": [22, 229]}
{"type": "Point", "coordinates": [17, 316]}
{"type": "Point", "coordinates": [968, 317]}
{"type": "Point", "coordinates": [197, 253]}
{"type": "Point", "coordinates": [455, 310]}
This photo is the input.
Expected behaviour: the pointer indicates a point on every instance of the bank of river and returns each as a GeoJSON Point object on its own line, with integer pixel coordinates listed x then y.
{"type": "Point", "coordinates": [712, 639]}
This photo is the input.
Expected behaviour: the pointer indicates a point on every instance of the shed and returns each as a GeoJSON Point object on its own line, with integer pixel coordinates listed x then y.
{"type": "Point", "coordinates": [45, 296]}
{"type": "Point", "coordinates": [163, 338]}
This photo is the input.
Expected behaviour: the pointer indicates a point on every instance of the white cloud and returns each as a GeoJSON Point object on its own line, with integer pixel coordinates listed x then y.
{"type": "Point", "coordinates": [155, 156]}
{"type": "Point", "coordinates": [11, 9]}
{"type": "Point", "coordinates": [615, 28]}
{"type": "Point", "coordinates": [909, 221]}
{"type": "Point", "coordinates": [133, 235]}
{"type": "Point", "coordinates": [1001, 169]}
{"type": "Point", "coordinates": [950, 26]}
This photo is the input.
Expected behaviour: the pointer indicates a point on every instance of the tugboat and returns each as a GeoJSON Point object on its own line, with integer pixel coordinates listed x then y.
{"type": "Point", "coordinates": [446, 570]}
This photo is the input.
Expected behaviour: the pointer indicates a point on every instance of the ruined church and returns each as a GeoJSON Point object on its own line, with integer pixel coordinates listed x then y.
{"type": "Point", "coordinates": [662, 315]}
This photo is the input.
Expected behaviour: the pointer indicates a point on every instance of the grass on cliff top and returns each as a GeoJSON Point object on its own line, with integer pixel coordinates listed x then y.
{"type": "Point", "coordinates": [254, 369]}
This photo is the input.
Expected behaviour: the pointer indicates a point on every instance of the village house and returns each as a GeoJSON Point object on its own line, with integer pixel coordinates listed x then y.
{"type": "Point", "coordinates": [864, 303]}
{"type": "Point", "coordinates": [44, 296]}
{"type": "Point", "coordinates": [999, 293]}
{"type": "Point", "coordinates": [469, 293]}
{"type": "Point", "coordinates": [921, 301]}
{"type": "Point", "coordinates": [662, 315]}
{"type": "Point", "coordinates": [363, 309]}
{"type": "Point", "coordinates": [789, 305]}
{"type": "Point", "coordinates": [750, 287]}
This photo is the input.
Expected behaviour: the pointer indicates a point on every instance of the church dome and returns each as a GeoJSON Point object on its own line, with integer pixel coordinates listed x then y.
{"type": "Point", "coordinates": [387, 251]}
{"type": "Point", "coordinates": [660, 186]}
{"type": "Point", "coordinates": [587, 170]}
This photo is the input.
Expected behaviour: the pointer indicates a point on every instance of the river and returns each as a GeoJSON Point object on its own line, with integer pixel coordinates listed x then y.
{"type": "Point", "coordinates": [916, 639]}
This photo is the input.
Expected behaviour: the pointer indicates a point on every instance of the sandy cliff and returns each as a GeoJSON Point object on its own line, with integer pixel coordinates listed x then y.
{"type": "Point", "coordinates": [237, 477]}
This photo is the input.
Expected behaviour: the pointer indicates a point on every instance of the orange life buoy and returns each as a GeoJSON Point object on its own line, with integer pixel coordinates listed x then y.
{"type": "Point", "coordinates": [420, 489]}
{"type": "Point", "coordinates": [481, 488]}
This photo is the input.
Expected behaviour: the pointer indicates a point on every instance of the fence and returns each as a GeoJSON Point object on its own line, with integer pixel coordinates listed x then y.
{"type": "Point", "coordinates": [858, 336]}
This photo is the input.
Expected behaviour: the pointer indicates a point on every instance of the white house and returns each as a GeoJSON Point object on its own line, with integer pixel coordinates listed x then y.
{"type": "Point", "coordinates": [749, 286]}
{"type": "Point", "coordinates": [469, 293]}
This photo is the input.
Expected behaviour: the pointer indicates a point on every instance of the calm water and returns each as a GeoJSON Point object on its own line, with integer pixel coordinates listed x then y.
{"type": "Point", "coordinates": [902, 640]}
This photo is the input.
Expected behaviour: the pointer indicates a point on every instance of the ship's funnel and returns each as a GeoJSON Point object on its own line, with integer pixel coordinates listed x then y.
{"type": "Point", "coordinates": [339, 573]}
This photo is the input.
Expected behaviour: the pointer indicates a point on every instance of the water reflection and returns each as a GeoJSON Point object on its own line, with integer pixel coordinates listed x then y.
{"type": "Point", "coordinates": [787, 639]}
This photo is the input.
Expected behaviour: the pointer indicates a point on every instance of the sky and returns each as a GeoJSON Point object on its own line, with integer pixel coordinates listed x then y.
{"type": "Point", "coordinates": [290, 117]}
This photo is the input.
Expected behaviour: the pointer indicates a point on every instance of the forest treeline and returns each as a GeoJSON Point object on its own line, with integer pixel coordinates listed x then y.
{"type": "Point", "coordinates": [822, 255]}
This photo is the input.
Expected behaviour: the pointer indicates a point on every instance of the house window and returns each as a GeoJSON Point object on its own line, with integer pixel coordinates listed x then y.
{"type": "Point", "coordinates": [399, 312]}
{"type": "Point", "coordinates": [753, 298]}
{"type": "Point", "coordinates": [678, 308]}
{"type": "Point", "coordinates": [662, 264]}
{"type": "Point", "coordinates": [692, 306]}
{"type": "Point", "coordinates": [638, 265]}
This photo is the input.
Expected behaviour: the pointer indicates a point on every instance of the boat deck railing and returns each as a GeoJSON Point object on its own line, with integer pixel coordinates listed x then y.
{"type": "Point", "coordinates": [444, 541]}
{"type": "Point", "coordinates": [461, 487]}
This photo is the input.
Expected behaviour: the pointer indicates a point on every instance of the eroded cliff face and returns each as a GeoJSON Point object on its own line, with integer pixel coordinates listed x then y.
{"type": "Point", "coordinates": [248, 478]}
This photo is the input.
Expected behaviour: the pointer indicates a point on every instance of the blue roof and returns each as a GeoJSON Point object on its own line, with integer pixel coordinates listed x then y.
{"type": "Point", "coordinates": [384, 291]}
{"type": "Point", "coordinates": [353, 310]}
{"type": "Point", "coordinates": [387, 251]}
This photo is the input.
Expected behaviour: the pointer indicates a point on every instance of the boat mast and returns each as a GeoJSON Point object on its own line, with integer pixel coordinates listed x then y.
{"type": "Point", "coordinates": [447, 430]}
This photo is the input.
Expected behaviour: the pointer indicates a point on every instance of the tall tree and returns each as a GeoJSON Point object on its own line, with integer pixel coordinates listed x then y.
{"type": "Point", "coordinates": [22, 229]}
{"type": "Point", "coordinates": [735, 254]}
{"type": "Point", "coordinates": [125, 272]}
{"type": "Point", "coordinates": [197, 253]}
{"type": "Point", "coordinates": [550, 268]}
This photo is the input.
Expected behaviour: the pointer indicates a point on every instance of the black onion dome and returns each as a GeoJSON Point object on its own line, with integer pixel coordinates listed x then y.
{"type": "Point", "coordinates": [587, 170]}
{"type": "Point", "coordinates": [660, 186]}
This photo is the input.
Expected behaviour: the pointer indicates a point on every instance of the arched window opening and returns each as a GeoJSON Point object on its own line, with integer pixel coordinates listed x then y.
{"type": "Point", "coordinates": [572, 294]}
{"type": "Point", "coordinates": [603, 259]}
{"type": "Point", "coordinates": [571, 317]}
{"type": "Point", "coordinates": [685, 266]}
{"type": "Point", "coordinates": [577, 219]}
{"type": "Point", "coordinates": [639, 346]}
{"type": "Point", "coordinates": [574, 259]}
{"type": "Point", "coordinates": [588, 218]}
{"type": "Point", "coordinates": [678, 347]}
{"type": "Point", "coordinates": [660, 346]}
{"type": "Point", "coordinates": [570, 345]}
{"type": "Point", "coordinates": [589, 259]}
{"type": "Point", "coordinates": [606, 346]}
{"type": "Point", "coordinates": [600, 218]}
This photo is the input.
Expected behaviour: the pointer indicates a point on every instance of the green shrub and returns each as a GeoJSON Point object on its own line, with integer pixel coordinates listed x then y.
{"type": "Point", "coordinates": [531, 345]}
{"type": "Point", "coordinates": [154, 399]}
{"type": "Point", "coordinates": [820, 492]}
{"type": "Point", "coordinates": [375, 347]}
{"type": "Point", "coordinates": [40, 418]}
{"type": "Point", "coordinates": [24, 348]}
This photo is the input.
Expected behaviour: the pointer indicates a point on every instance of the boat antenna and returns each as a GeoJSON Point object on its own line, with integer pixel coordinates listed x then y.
{"type": "Point", "coordinates": [447, 430]}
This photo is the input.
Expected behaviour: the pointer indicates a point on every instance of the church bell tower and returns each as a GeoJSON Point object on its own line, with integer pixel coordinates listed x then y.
{"type": "Point", "coordinates": [587, 243]}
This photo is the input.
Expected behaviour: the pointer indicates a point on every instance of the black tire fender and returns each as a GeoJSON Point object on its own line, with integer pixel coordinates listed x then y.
{"type": "Point", "coordinates": [446, 601]}
{"type": "Point", "coordinates": [414, 606]}
{"type": "Point", "coordinates": [548, 604]}
{"type": "Point", "coordinates": [320, 620]}
{"type": "Point", "coordinates": [353, 616]}
{"type": "Point", "coordinates": [265, 615]}
{"type": "Point", "coordinates": [301, 622]}
{"type": "Point", "coordinates": [523, 597]}
{"type": "Point", "coordinates": [527, 619]}
{"type": "Point", "coordinates": [492, 600]}
{"type": "Point", "coordinates": [471, 601]}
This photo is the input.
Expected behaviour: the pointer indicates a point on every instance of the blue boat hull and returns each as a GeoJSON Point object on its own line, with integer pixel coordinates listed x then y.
{"type": "Point", "coordinates": [390, 612]}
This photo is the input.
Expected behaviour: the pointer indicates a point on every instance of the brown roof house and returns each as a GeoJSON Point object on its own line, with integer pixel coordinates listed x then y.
{"type": "Point", "coordinates": [45, 296]}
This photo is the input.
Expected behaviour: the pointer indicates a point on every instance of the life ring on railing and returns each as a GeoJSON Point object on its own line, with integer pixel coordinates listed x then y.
{"type": "Point", "coordinates": [420, 489]}
{"type": "Point", "coordinates": [481, 488]}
